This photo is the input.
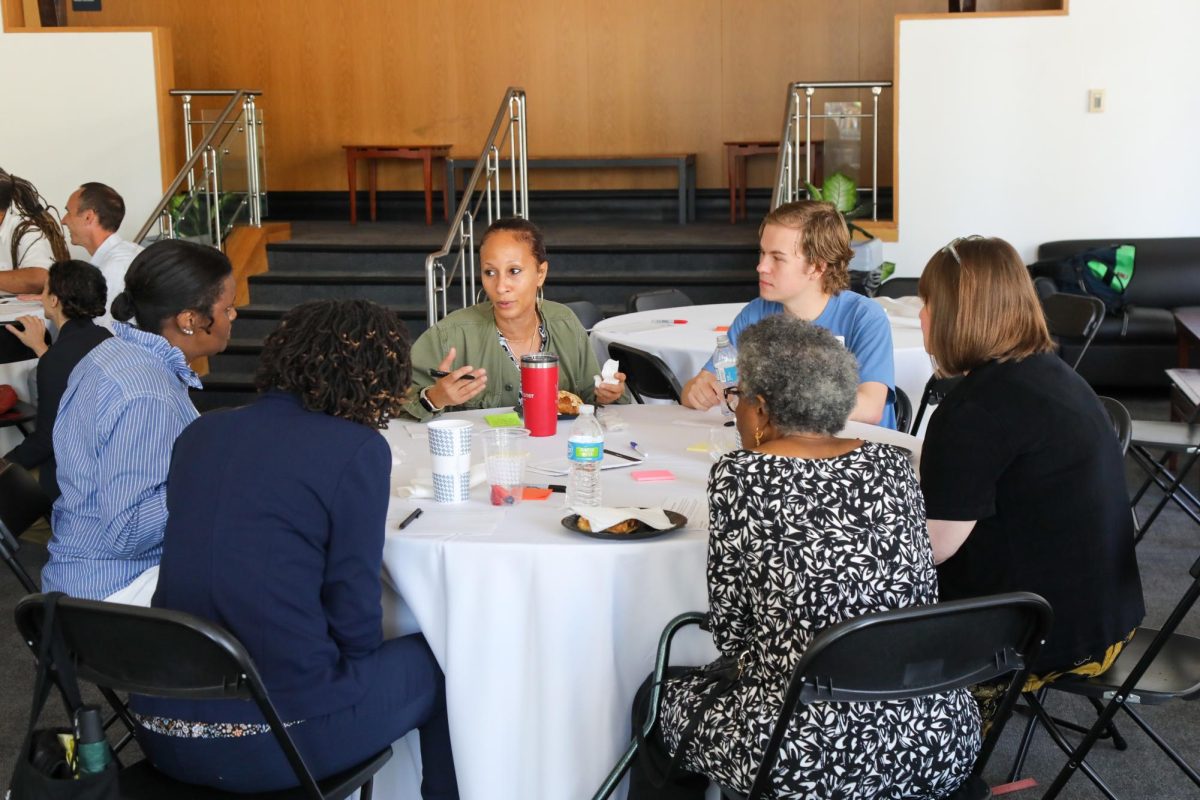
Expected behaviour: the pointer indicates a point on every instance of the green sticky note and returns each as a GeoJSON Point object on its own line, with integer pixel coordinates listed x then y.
{"type": "Point", "coordinates": [509, 420]}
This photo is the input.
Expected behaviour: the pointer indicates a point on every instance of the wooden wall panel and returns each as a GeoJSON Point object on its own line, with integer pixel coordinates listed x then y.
{"type": "Point", "coordinates": [603, 76]}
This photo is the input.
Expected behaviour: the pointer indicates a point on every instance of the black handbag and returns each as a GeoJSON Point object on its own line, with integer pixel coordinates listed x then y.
{"type": "Point", "coordinates": [42, 771]}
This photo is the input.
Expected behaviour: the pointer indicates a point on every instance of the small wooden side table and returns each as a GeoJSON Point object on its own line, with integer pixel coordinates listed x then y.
{"type": "Point", "coordinates": [736, 154]}
{"type": "Point", "coordinates": [427, 153]}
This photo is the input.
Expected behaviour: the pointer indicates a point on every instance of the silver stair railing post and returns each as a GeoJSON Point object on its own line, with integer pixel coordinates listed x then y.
{"type": "Point", "coordinates": [216, 196]}
{"type": "Point", "coordinates": [204, 156]}
{"type": "Point", "coordinates": [787, 166]}
{"type": "Point", "coordinates": [252, 187]}
{"type": "Point", "coordinates": [187, 134]}
{"type": "Point", "coordinates": [482, 194]}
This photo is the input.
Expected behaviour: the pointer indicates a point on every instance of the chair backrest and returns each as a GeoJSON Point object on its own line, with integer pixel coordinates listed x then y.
{"type": "Point", "coordinates": [161, 653]}
{"type": "Point", "coordinates": [935, 391]}
{"type": "Point", "coordinates": [646, 374]}
{"type": "Point", "coordinates": [903, 410]}
{"type": "Point", "coordinates": [898, 287]}
{"type": "Point", "coordinates": [587, 311]}
{"type": "Point", "coordinates": [912, 652]}
{"type": "Point", "coordinates": [22, 503]}
{"type": "Point", "coordinates": [1073, 317]}
{"type": "Point", "coordinates": [661, 298]}
{"type": "Point", "coordinates": [1122, 423]}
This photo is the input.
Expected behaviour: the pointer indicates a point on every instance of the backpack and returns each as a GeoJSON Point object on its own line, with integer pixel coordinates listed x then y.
{"type": "Point", "coordinates": [1104, 272]}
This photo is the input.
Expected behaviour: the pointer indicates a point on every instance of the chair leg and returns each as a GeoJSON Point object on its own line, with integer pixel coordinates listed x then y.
{"type": "Point", "coordinates": [1026, 739]}
{"type": "Point", "coordinates": [1163, 745]}
{"type": "Point", "coordinates": [1110, 731]}
{"type": "Point", "coordinates": [367, 789]}
{"type": "Point", "coordinates": [1169, 494]}
{"type": "Point", "coordinates": [1076, 757]}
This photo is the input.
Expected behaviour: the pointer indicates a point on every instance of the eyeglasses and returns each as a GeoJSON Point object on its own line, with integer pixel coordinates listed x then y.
{"type": "Point", "coordinates": [732, 395]}
{"type": "Point", "coordinates": [950, 247]}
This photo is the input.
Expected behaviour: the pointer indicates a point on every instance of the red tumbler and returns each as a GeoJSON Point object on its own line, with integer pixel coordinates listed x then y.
{"type": "Point", "coordinates": [539, 393]}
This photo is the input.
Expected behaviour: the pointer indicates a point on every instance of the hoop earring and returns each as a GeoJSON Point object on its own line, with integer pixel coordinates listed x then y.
{"type": "Point", "coordinates": [541, 296]}
{"type": "Point", "coordinates": [757, 437]}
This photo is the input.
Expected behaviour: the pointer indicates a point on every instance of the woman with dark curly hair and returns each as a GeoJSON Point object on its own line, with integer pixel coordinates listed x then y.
{"type": "Point", "coordinates": [275, 531]}
{"type": "Point", "coordinates": [73, 297]}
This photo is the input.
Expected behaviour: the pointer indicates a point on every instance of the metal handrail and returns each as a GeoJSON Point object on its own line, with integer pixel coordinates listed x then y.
{"type": "Point", "coordinates": [462, 227]}
{"type": "Point", "coordinates": [787, 167]}
{"type": "Point", "coordinates": [205, 149]}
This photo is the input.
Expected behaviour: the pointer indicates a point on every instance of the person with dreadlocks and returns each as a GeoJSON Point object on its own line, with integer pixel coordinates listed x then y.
{"type": "Point", "coordinates": [31, 237]}
{"type": "Point", "coordinates": [275, 530]}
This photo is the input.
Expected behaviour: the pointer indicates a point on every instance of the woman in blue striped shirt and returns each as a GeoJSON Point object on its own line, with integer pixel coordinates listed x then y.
{"type": "Point", "coordinates": [125, 404]}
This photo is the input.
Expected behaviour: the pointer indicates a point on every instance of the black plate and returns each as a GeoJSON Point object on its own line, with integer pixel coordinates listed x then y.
{"type": "Point", "coordinates": [571, 523]}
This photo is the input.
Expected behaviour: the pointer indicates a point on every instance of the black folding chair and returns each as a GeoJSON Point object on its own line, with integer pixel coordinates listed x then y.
{"type": "Point", "coordinates": [935, 392]}
{"type": "Point", "coordinates": [162, 653]}
{"type": "Point", "coordinates": [646, 374]}
{"type": "Point", "coordinates": [903, 410]}
{"type": "Point", "coordinates": [1174, 439]}
{"type": "Point", "coordinates": [898, 287]}
{"type": "Point", "coordinates": [22, 503]}
{"type": "Point", "coordinates": [1156, 667]}
{"type": "Point", "coordinates": [588, 312]}
{"type": "Point", "coordinates": [661, 298]}
{"type": "Point", "coordinates": [893, 655]}
{"type": "Point", "coordinates": [1073, 318]}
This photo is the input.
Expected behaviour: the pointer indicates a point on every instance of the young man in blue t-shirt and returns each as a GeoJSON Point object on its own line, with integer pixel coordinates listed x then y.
{"type": "Point", "coordinates": [804, 255]}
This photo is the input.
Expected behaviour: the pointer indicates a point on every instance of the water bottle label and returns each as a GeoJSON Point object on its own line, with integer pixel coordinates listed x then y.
{"type": "Point", "coordinates": [584, 451]}
{"type": "Point", "coordinates": [728, 375]}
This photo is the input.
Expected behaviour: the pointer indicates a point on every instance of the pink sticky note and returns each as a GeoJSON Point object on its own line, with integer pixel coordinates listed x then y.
{"type": "Point", "coordinates": [721, 328]}
{"type": "Point", "coordinates": [653, 475]}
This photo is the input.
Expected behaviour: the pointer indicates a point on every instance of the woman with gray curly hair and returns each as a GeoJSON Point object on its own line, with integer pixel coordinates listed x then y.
{"type": "Point", "coordinates": [806, 529]}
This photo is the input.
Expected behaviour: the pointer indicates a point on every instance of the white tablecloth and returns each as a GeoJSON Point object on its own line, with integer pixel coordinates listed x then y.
{"type": "Point", "coordinates": [21, 375]}
{"type": "Point", "coordinates": [544, 634]}
{"type": "Point", "coordinates": [686, 347]}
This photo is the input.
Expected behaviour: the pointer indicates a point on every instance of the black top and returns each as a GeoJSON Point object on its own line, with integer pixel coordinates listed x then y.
{"type": "Point", "coordinates": [1027, 450]}
{"type": "Point", "coordinates": [75, 340]}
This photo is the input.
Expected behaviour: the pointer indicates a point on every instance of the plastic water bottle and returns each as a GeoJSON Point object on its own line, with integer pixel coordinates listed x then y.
{"type": "Point", "coordinates": [91, 746]}
{"type": "Point", "coordinates": [725, 363]}
{"type": "Point", "coordinates": [585, 451]}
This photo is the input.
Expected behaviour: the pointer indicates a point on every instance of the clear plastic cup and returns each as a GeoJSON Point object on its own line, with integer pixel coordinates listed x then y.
{"type": "Point", "coordinates": [506, 451]}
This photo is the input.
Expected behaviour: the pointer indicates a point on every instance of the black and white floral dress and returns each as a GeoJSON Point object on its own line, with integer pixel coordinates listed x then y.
{"type": "Point", "coordinates": [797, 545]}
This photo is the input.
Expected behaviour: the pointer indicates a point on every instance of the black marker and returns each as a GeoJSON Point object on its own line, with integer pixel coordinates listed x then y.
{"type": "Point", "coordinates": [441, 373]}
{"type": "Point", "coordinates": [410, 519]}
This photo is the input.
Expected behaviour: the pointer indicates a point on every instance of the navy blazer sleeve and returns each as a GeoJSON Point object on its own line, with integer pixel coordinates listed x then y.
{"type": "Point", "coordinates": [352, 588]}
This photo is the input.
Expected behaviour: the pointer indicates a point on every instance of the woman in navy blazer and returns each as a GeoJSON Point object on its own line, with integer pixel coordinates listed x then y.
{"type": "Point", "coordinates": [275, 531]}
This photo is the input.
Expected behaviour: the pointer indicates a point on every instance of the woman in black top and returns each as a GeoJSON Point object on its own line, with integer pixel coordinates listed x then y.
{"type": "Point", "coordinates": [73, 296]}
{"type": "Point", "coordinates": [1023, 478]}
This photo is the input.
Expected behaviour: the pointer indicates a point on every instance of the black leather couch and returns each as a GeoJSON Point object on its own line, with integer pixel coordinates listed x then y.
{"type": "Point", "coordinates": [1133, 350]}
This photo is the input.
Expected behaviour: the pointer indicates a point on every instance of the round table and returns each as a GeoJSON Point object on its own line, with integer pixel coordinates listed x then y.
{"type": "Point", "coordinates": [21, 375]}
{"type": "Point", "coordinates": [686, 347]}
{"type": "Point", "coordinates": [544, 634]}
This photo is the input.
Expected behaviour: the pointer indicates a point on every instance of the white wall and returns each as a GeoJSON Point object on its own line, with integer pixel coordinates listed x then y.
{"type": "Point", "coordinates": [87, 111]}
{"type": "Point", "coordinates": [995, 137]}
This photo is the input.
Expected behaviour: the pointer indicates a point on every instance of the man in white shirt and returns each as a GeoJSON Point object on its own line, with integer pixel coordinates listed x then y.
{"type": "Point", "coordinates": [94, 213]}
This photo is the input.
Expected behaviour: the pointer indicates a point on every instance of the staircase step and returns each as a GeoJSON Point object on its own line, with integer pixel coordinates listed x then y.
{"type": "Point", "coordinates": [257, 320]}
{"type": "Point", "coordinates": [224, 389]}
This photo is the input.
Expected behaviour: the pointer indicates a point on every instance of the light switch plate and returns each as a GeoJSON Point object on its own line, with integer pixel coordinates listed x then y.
{"type": "Point", "coordinates": [1096, 102]}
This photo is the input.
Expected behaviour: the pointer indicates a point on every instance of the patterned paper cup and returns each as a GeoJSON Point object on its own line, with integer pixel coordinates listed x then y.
{"type": "Point", "coordinates": [450, 454]}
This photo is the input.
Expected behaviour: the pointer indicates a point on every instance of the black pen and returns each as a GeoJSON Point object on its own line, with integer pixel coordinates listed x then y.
{"type": "Point", "coordinates": [441, 373]}
{"type": "Point", "coordinates": [410, 519]}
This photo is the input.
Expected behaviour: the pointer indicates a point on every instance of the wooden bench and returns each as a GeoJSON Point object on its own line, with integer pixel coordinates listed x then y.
{"type": "Point", "coordinates": [683, 163]}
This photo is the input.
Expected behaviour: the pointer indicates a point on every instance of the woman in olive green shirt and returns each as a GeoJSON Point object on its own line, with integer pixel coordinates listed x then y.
{"type": "Point", "coordinates": [488, 339]}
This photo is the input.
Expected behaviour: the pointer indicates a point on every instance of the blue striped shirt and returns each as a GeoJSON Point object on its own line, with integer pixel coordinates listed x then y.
{"type": "Point", "coordinates": [125, 404]}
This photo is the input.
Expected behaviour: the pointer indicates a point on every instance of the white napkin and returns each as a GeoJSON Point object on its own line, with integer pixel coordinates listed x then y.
{"type": "Point", "coordinates": [608, 373]}
{"type": "Point", "coordinates": [607, 516]}
{"type": "Point", "coordinates": [422, 485]}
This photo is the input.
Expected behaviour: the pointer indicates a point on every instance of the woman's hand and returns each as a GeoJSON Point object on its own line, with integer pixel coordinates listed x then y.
{"type": "Point", "coordinates": [703, 391]}
{"type": "Point", "coordinates": [456, 389]}
{"type": "Point", "coordinates": [34, 335]}
{"type": "Point", "coordinates": [611, 392]}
